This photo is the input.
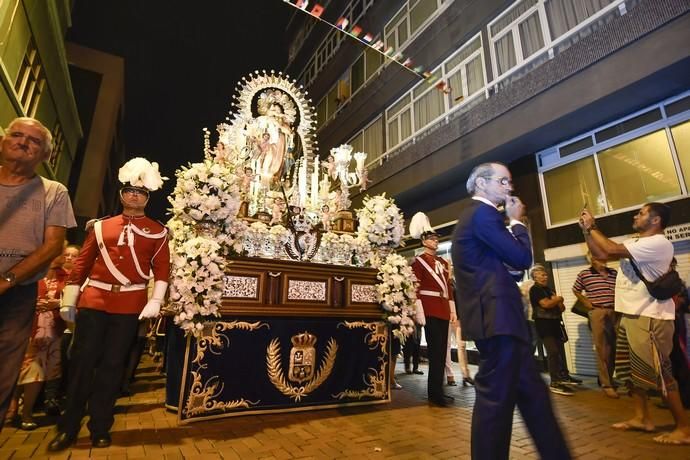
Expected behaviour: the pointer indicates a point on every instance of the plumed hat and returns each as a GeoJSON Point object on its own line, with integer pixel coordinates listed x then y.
{"type": "Point", "coordinates": [141, 173]}
{"type": "Point", "coordinates": [420, 227]}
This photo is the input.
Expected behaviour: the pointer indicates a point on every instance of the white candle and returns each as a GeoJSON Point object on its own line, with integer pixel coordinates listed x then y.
{"type": "Point", "coordinates": [315, 184]}
{"type": "Point", "coordinates": [303, 182]}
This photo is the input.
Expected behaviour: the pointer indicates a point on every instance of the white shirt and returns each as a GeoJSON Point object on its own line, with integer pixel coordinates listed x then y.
{"type": "Point", "coordinates": [653, 256]}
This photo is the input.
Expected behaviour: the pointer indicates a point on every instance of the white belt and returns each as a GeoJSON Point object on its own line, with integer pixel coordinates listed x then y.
{"type": "Point", "coordinates": [117, 287]}
{"type": "Point", "coordinates": [430, 293]}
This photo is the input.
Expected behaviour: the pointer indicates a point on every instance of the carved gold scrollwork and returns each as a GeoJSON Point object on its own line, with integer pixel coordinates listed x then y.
{"type": "Point", "coordinates": [376, 380]}
{"type": "Point", "coordinates": [202, 395]}
{"type": "Point", "coordinates": [378, 337]}
{"type": "Point", "coordinates": [214, 337]}
{"type": "Point", "coordinates": [275, 371]}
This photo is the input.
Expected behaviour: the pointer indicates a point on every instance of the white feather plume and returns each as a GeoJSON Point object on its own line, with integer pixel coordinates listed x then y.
{"type": "Point", "coordinates": [140, 172]}
{"type": "Point", "coordinates": [419, 224]}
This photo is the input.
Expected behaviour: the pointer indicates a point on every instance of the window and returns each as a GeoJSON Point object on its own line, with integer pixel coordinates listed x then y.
{"type": "Point", "coordinates": [395, 32]}
{"type": "Point", "coordinates": [465, 72]}
{"type": "Point", "coordinates": [58, 146]}
{"type": "Point", "coordinates": [30, 80]}
{"type": "Point", "coordinates": [332, 101]}
{"type": "Point", "coordinates": [429, 106]}
{"type": "Point", "coordinates": [569, 187]}
{"type": "Point", "coordinates": [357, 73]}
{"type": "Point", "coordinates": [370, 140]}
{"type": "Point", "coordinates": [639, 171]}
{"type": "Point", "coordinates": [516, 35]}
{"type": "Point", "coordinates": [321, 112]}
{"type": "Point", "coordinates": [681, 139]}
{"type": "Point", "coordinates": [641, 158]}
{"type": "Point", "coordinates": [373, 60]}
{"type": "Point", "coordinates": [399, 121]}
{"type": "Point", "coordinates": [420, 11]}
{"type": "Point", "coordinates": [373, 139]}
{"type": "Point", "coordinates": [564, 15]}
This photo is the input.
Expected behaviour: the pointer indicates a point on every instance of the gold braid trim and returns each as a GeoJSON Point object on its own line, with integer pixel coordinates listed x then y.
{"type": "Point", "coordinates": [275, 371]}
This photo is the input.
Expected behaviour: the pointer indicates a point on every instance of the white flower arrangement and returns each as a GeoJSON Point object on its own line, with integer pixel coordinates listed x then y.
{"type": "Point", "coordinates": [396, 294]}
{"type": "Point", "coordinates": [206, 192]}
{"type": "Point", "coordinates": [380, 222]}
{"type": "Point", "coordinates": [281, 233]}
{"type": "Point", "coordinates": [197, 282]}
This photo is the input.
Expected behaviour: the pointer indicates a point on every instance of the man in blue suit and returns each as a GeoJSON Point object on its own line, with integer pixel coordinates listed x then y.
{"type": "Point", "coordinates": [491, 314]}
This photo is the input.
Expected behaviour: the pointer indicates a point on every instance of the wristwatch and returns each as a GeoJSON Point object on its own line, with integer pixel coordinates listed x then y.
{"type": "Point", "coordinates": [9, 277]}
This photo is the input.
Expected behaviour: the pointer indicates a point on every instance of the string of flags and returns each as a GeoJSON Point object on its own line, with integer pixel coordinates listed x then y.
{"type": "Point", "coordinates": [366, 38]}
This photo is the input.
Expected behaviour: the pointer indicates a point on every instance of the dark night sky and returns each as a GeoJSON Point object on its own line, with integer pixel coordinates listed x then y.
{"type": "Point", "coordinates": [182, 62]}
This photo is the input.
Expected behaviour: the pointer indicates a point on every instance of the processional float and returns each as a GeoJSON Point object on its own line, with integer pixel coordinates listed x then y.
{"type": "Point", "coordinates": [286, 303]}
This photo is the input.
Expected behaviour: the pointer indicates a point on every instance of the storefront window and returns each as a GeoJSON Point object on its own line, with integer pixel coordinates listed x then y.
{"type": "Point", "coordinates": [681, 139]}
{"type": "Point", "coordinates": [639, 171]}
{"type": "Point", "coordinates": [570, 187]}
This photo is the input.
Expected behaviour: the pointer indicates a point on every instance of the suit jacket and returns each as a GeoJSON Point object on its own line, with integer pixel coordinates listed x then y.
{"type": "Point", "coordinates": [482, 247]}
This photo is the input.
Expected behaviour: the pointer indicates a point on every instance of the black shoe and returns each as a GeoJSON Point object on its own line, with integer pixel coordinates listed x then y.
{"type": "Point", "coordinates": [418, 372]}
{"type": "Point", "coordinates": [467, 381]}
{"type": "Point", "coordinates": [52, 407]}
{"type": "Point", "coordinates": [61, 442]}
{"type": "Point", "coordinates": [570, 380]}
{"type": "Point", "coordinates": [101, 440]}
{"type": "Point", "coordinates": [560, 389]}
{"type": "Point", "coordinates": [440, 402]}
{"type": "Point", "coordinates": [451, 383]}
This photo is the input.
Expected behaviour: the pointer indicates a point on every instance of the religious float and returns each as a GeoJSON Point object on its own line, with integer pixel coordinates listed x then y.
{"type": "Point", "coordinates": [285, 298]}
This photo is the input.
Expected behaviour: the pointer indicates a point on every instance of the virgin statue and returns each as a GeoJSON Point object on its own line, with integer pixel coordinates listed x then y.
{"type": "Point", "coordinates": [275, 155]}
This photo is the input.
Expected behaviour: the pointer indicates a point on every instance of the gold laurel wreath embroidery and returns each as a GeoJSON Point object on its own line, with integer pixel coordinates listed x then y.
{"type": "Point", "coordinates": [376, 381]}
{"type": "Point", "coordinates": [202, 395]}
{"type": "Point", "coordinates": [275, 371]}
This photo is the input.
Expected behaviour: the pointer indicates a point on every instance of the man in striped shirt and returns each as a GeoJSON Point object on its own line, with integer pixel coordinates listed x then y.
{"type": "Point", "coordinates": [598, 283]}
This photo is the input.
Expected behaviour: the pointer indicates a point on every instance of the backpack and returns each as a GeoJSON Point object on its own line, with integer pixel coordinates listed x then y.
{"type": "Point", "coordinates": [665, 286]}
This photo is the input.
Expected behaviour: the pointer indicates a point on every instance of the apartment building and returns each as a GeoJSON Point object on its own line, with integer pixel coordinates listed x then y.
{"type": "Point", "coordinates": [587, 101]}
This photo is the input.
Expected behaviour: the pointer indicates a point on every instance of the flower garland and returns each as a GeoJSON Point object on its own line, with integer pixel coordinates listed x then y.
{"type": "Point", "coordinates": [397, 294]}
{"type": "Point", "coordinates": [197, 280]}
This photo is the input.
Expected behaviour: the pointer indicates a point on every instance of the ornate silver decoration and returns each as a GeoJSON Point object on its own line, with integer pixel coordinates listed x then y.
{"type": "Point", "coordinates": [363, 293]}
{"type": "Point", "coordinates": [306, 290]}
{"type": "Point", "coordinates": [241, 287]}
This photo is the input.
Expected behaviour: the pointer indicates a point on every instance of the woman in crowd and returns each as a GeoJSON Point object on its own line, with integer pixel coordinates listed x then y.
{"type": "Point", "coordinates": [42, 360]}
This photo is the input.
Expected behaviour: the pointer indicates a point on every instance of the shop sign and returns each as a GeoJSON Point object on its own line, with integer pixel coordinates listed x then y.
{"type": "Point", "coordinates": [678, 232]}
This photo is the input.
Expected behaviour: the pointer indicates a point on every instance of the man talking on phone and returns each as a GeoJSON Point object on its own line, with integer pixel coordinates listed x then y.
{"type": "Point", "coordinates": [491, 314]}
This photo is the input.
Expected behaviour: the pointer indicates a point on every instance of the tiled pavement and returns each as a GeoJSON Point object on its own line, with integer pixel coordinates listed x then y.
{"type": "Point", "coordinates": [408, 428]}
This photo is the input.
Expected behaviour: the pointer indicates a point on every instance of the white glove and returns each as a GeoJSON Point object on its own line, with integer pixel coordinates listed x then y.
{"type": "Point", "coordinates": [68, 305]}
{"type": "Point", "coordinates": [153, 306]}
{"type": "Point", "coordinates": [419, 317]}
{"type": "Point", "coordinates": [453, 313]}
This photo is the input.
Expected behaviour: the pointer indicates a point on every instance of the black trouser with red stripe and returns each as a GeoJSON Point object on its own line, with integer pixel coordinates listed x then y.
{"type": "Point", "coordinates": [99, 351]}
{"type": "Point", "coordinates": [436, 333]}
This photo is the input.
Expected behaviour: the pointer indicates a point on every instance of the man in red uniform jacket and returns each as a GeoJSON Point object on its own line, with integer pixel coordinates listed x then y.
{"type": "Point", "coordinates": [118, 258]}
{"type": "Point", "coordinates": [436, 297]}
